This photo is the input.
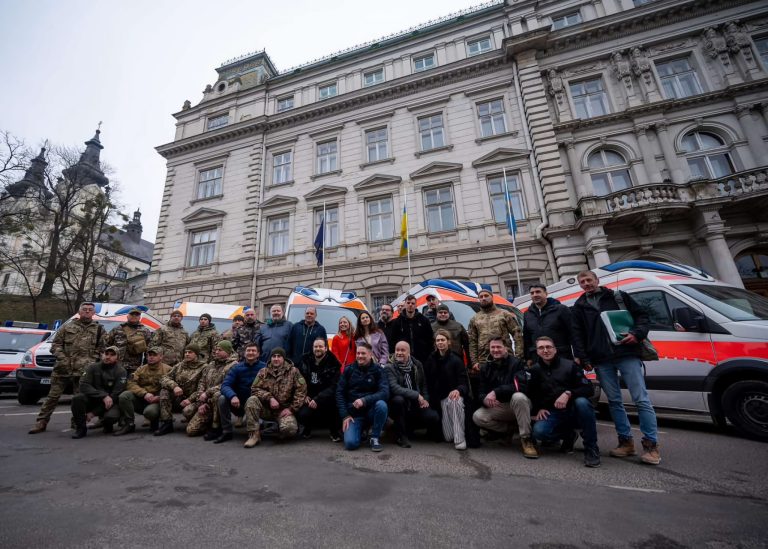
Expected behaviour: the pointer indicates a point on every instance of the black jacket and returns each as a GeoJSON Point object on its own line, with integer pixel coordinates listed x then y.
{"type": "Point", "coordinates": [554, 321]}
{"type": "Point", "coordinates": [444, 374]}
{"type": "Point", "coordinates": [500, 378]}
{"type": "Point", "coordinates": [368, 383]}
{"type": "Point", "coordinates": [321, 378]}
{"type": "Point", "coordinates": [386, 327]}
{"type": "Point", "coordinates": [590, 338]}
{"type": "Point", "coordinates": [397, 386]}
{"type": "Point", "coordinates": [417, 331]}
{"type": "Point", "coordinates": [547, 383]}
{"type": "Point", "coordinates": [101, 380]}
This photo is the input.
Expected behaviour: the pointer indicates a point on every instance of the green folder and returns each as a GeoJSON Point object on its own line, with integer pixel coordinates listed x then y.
{"type": "Point", "coordinates": [618, 324]}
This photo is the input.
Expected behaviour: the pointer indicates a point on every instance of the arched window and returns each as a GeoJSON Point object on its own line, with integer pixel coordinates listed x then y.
{"type": "Point", "coordinates": [707, 155]}
{"type": "Point", "coordinates": [610, 172]}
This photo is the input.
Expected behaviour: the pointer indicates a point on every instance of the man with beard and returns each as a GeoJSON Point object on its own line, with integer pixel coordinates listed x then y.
{"type": "Point", "coordinates": [321, 371]}
{"type": "Point", "coordinates": [235, 391]}
{"type": "Point", "coordinates": [546, 317]}
{"type": "Point", "coordinates": [132, 339]}
{"type": "Point", "coordinates": [205, 337]}
{"type": "Point", "coordinates": [386, 323]}
{"type": "Point", "coordinates": [413, 328]}
{"type": "Point", "coordinates": [100, 388]}
{"type": "Point", "coordinates": [206, 398]}
{"type": "Point", "coordinates": [172, 339]}
{"type": "Point", "coordinates": [143, 393]}
{"type": "Point", "coordinates": [490, 321]}
{"type": "Point", "coordinates": [247, 333]}
{"type": "Point", "coordinates": [177, 387]}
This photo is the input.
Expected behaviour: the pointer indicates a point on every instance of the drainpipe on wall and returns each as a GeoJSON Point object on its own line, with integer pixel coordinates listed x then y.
{"type": "Point", "coordinates": [261, 198]}
{"type": "Point", "coordinates": [539, 231]}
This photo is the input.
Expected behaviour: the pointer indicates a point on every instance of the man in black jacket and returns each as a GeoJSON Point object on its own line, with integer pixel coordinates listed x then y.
{"type": "Point", "coordinates": [321, 371]}
{"type": "Point", "coordinates": [415, 329]}
{"type": "Point", "coordinates": [594, 349]}
{"type": "Point", "coordinates": [503, 380]}
{"type": "Point", "coordinates": [546, 317]}
{"type": "Point", "coordinates": [561, 393]}
{"type": "Point", "coordinates": [100, 389]}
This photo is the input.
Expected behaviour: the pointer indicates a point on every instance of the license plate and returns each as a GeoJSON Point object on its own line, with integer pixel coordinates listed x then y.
{"type": "Point", "coordinates": [45, 381]}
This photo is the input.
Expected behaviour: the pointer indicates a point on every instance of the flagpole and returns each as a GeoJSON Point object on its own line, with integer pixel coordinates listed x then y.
{"type": "Point", "coordinates": [324, 230]}
{"type": "Point", "coordinates": [407, 238]}
{"type": "Point", "coordinates": [512, 232]}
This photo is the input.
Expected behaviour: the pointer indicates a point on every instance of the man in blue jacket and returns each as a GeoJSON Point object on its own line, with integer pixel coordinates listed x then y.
{"type": "Point", "coordinates": [303, 334]}
{"type": "Point", "coordinates": [275, 332]}
{"type": "Point", "coordinates": [235, 390]}
{"type": "Point", "coordinates": [361, 397]}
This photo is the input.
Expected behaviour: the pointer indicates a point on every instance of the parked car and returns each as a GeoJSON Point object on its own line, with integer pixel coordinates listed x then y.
{"type": "Point", "coordinates": [712, 340]}
{"type": "Point", "coordinates": [221, 314]}
{"type": "Point", "coordinates": [34, 373]}
{"type": "Point", "coordinates": [14, 343]}
{"type": "Point", "coordinates": [331, 305]}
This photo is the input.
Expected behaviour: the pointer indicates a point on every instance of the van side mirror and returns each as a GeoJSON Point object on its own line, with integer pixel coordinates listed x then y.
{"type": "Point", "coordinates": [689, 319]}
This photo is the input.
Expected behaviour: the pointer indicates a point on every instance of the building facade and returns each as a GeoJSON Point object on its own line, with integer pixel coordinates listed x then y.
{"type": "Point", "coordinates": [618, 130]}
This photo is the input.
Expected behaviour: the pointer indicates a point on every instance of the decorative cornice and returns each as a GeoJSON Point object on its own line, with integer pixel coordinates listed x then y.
{"type": "Point", "coordinates": [434, 169]}
{"type": "Point", "coordinates": [378, 180]}
{"type": "Point", "coordinates": [203, 214]}
{"type": "Point", "coordinates": [501, 154]}
{"type": "Point", "coordinates": [207, 139]}
{"type": "Point", "coordinates": [324, 192]}
{"type": "Point", "coordinates": [279, 201]}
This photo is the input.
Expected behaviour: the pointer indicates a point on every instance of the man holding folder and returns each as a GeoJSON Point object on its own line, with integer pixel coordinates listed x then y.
{"type": "Point", "coordinates": [596, 344]}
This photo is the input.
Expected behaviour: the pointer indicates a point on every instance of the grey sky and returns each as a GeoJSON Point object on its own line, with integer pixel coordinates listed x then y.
{"type": "Point", "coordinates": [70, 63]}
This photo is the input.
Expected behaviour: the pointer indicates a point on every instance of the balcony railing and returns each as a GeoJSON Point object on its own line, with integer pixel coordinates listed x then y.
{"type": "Point", "coordinates": [645, 195]}
{"type": "Point", "coordinates": [741, 183]}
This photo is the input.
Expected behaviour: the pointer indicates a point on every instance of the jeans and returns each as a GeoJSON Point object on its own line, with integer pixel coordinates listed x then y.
{"type": "Point", "coordinates": [579, 413]}
{"type": "Point", "coordinates": [376, 416]}
{"type": "Point", "coordinates": [631, 369]}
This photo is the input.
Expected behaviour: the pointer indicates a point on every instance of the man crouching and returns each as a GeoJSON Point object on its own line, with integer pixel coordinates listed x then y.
{"type": "Point", "coordinates": [100, 389]}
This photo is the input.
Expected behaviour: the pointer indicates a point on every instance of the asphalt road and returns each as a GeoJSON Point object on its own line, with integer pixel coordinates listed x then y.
{"type": "Point", "coordinates": [139, 491]}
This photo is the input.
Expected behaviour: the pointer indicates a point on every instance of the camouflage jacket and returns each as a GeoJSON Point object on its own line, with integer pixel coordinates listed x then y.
{"type": "Point", "coordinates": [244, 335]}
{"type": "Point", "coordinates": [76, 345]}
{"type": "Point", "coordinates": [172, 339]}
{"type": "Point", "coordinates": [228, 335]}
{"type": "Point", "coordinates": [213, 376]}
{"type": "Point", "coordinates": [147, 379]}
{"type": "Point", "coordinates": [124, 337]}
{"type": "Point", "coordinates": [487, 324]}
{"type": "Point", "coordinates": [185, 375]}
{"type": "Point", "coordinates": [284, 384]}
{"type": "Point", "coordinates": [206, 339]}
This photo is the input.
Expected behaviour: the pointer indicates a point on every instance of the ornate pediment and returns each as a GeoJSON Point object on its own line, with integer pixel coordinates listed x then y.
{"type": "Point", "coordinates": [500, 155]}
{"type": "Point", "coordinates": [378, 180]}
{"type": "Point", "coordinates": [204, 214]}
{"type": "Point", "coordinates": [279, 201]}
{"type": "Point", "coordinates": [436, 169]}
{"type": "Point", "coordinates": [324, 192]}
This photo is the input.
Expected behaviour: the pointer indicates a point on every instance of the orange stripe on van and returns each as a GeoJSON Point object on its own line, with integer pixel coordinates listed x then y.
{"type": "Point", "coordinates": [612, 285]}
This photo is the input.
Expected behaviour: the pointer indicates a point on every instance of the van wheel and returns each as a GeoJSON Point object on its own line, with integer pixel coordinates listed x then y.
{"type": "Point", "coordinates": [746, 406]}
{"type": "Point", "coordinates": [27, 396]}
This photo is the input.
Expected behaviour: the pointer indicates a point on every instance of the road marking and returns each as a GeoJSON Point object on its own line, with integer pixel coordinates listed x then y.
{"type": "Point", "coordinates": [32, 413]}
{"type": "Point", "coordinates": [604, 424]}
{"type": "Point", "coordinates": [634, 489]}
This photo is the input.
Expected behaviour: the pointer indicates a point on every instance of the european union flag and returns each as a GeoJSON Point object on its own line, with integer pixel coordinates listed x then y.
{"type": "Point", "coordinates": [319, 242]}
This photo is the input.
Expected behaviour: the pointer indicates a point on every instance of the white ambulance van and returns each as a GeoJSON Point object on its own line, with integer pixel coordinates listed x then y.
{"type": "Point", "coordinates": [221, 314]}
{"type": "Point", "coordinates": [330, 304]}
{"type": "Point", "coordinates": [712, 340]}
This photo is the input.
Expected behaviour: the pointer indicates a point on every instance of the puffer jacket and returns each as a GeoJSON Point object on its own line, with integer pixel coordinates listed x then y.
{"type": "Point", "coordinates": [549, 381]}
{"type": "Point", "coordinates": [368, 383]}
{"type": "Point", "coordinates": [238, 381]}
{"type": "Point", "coordinates": [504, 377]}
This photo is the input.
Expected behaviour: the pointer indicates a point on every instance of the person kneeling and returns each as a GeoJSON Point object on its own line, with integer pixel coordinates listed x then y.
{"type": "Point", "coordinates": [100, 389]}
{"type": "Point", "coordinates": [143, 393]}
{"type": "Point", "coordinates": [561, 393]}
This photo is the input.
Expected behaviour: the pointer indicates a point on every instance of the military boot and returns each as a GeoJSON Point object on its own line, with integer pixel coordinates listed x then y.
{"type": "Point", "coordinates": [125, 429]}
{"type": "Point", "coordinates": [651, 454]}
{"type": "Point", "coordinates": [109, 426]}
{"type": "Point", "coordinates": [154, 425]}
{"type": "Point", "coordinates": [39, 427]}
{"type": "Point", "coordinates": [80, 430]}
{"type": "Point", "coordinates": [254, 437]}
{"type": "Point", "coordinates": [626, 448]}
{"type": "Point", "coordinates": [529, 448]}
{"type": "Point", "coordinates": [165, 428]}
{"type": "Point", "coordinates": [212, 434]}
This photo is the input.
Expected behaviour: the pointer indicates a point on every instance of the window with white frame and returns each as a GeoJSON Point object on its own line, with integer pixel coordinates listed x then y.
{"type": "Point", "coordinates": [423, 62]}
{"type": "Point", "coordinates": [381, 220]}
{"type": "Point", "coordinates": [479, 45]}
{"type": "Point", "coordinates": [491, 116]}
{"type": "Point", "coordinates": [566, 20]}
{"type": "Point", "coordinates": [375, 76]}
{"type": "Point", "coordinates": [376, 144]}
{"type": "Point", "coordinates": [431, 132]}
{"type": "Point", "coordinates": [202, 246]}
{"type": "Point", "coordinates": [327, 90]}
{"type": "Point", "coordinates": [707, 155]}
{"type": "Point", "coordinates": [589, 98]}
{"type": "Point", "coordinates": [609, 171]}
{"type": "Point", "coordinates": [284, 103]}
{"type": "Point", "coordinates": [218, 121]}
{"type": "Point", "coordinates": [439, 205]}
{"type": "Point", "coordinates": [282, 164]}
{"type": "Point", "coordinates": [327, 157]}
{"type": "Point", "coordinates": [762, 50]}
{"type": "Point", "coordinates": [678, 78]}
{"type": "Point", "coordinates": [331, 229]}
{"type": "Point", "coordinates": [277, 235]}
{"type": "Point", "coordinates": [498, 196]}
{"type": "Point", "coordinates": [209, 182]}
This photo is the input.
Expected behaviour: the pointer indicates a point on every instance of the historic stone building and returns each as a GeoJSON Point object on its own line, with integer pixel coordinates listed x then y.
{"type": "Point", "coordinates": [625, 129]}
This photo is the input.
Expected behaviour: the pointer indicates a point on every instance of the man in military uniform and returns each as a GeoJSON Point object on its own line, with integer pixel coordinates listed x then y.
{"type": "Point", "coordinates": [205, 337]}
{"type": "Point", "coordinates": [132, 338]}
{"type": "Point", "coordinates": [488, 322]}
{"type": "Point", "coordinates": [172, 338]}
{"type": "Point", "coordinates": [100, 388]}
{"type": "Point", "coordinates": [237, 321]}
{"type": "Point", "coordinates": [143, 393]}
{"type": "Point", "coordinates": [177, 387]}
{"type": "Point", "coordinates": [205, 399]}
{"type": "Point", "coordinates": [278, 392]}
{"type": "Point", "coordinates": [247, 333]}
{"type": "Point", "coordinates": [75, 345]}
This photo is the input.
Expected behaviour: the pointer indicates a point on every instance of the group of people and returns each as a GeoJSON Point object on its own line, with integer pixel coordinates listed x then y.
{"type": "Point", "coordinates": [419, 370]}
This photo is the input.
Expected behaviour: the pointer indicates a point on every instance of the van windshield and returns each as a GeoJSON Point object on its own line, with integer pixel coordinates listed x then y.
{"type": "Point", "coordinates": [327, 317]}
{"type": "Point", "coordinates": [734, 303]}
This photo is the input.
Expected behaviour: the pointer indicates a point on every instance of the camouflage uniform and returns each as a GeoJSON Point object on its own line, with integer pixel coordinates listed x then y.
{"type": "Point", "coordinates": [76, 345]}
{"type": "Point", "coordinates": [205, 338]}
{"type": "Point", "coordinates": [185, 375]}
{"type": "Point", "coordinates": [227, 335]}
{"type": "Point", "coordinates": [123, 338]}
{"type": "Point", "coordinates": [144, 380]}
{"type": "Point", "coordinates": [210, 384]}
{"type": "Point", "coordinates": [286, 385]}
{"type": "Point", "coordinates": [172, 339]}
{"type": "Point", "coordinates": [244, 335]}
{"type": "Point", "coordinates": [494, 322]}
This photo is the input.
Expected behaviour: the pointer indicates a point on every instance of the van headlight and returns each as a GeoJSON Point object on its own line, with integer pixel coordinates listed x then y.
{"type": "Point", "coordinates": [26, 361]}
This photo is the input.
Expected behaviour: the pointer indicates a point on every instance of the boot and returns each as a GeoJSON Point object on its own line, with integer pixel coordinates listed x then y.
{"type": "Point", "coordinates": [223, 437]}
{"type": "Point", "coordinates": [626, 448]}
{"type": "Point", "coordinates": [651, 454]}
{"type": "Point", "coordinates": [212, 434]}
{"type": "Point", "coordinates": [125, 429]}
{"type": "Point", "coordinates": [254, 437]}
{"type": "Point", "coordinates": [39, 427]}
{"type": "Point", "coordinates": [80, 430]}
{"type": "Point", "coordinates": [154, 425]}
{"type": "Point", "coordinates": [165, 428]}
{"type": "Point", "coordinates": [109, 426]}
{"type": "Point", "coordinates": [529, 448]}
{"type": "Point", "coordinates": [591, 456]}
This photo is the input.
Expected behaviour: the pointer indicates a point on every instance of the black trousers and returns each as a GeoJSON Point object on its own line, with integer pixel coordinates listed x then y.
{"type": "Point", "coordinates": [408, 417]}
{"type": "Point", "coordinates": [82, 404]}
{"type": "Point", "coordinates": [325, 416]}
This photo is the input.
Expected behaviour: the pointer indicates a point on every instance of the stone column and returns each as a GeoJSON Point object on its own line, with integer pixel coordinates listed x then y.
{"type": "Point", "coordinates": [596, 244]}
{"type": "Point", "coordinates": [752, 130]}
{"type": "Point", "coordinates": [649, 158]}
{"type": "Point", "coordinates": [712, 229]}
{"type": "Point", "coordinates": [575, 169]}
{"type": "Point", "coordinates": [668, 150]}
{"type": "Point", "coordinates": [599, 9]}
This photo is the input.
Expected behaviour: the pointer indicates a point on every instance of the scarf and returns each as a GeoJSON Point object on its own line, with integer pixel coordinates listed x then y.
{"type": "Point", "coordinates": [407, 370]}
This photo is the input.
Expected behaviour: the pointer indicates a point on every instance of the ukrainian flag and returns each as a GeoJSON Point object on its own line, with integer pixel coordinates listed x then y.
{"type": "Point", "coordinates": [404, 234]}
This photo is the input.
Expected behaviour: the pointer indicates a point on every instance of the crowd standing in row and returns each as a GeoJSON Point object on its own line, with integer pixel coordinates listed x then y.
{"type": "Point", "coordinates": [421, 369]}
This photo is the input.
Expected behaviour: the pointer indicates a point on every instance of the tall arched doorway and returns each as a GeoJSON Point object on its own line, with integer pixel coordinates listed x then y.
{"type": "Point", "coordinates": [753, 268]}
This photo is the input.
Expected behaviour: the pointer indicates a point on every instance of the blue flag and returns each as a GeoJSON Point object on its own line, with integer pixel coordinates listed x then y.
{"type": "Point", "coordinates": [511, 223]}
{"type": "Point", "coordinates": [319, 240]}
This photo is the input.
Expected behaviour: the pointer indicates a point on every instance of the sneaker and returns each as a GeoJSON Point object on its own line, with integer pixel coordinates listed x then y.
{"type": "Point", "coordinates": [376, 445]}
{"type": "Point", "coordinates": [529, 448]}
{"type": "Point", "coordinates": [651, 454]}
{"type": "Point", "coordinates": [592, 457]}
{"type": "Point", "coordinates": [568, 441]}
{"type": "Point", "coordinates": [125, 430]}
{"type": "Point", "coordinates": [403, 442]}
{"type": "Point", "coordinates": [39, 427]}
{"type": "Point", "coordinates": [460, 445]}
{"type": "Point", "coordinates": [626, 448]}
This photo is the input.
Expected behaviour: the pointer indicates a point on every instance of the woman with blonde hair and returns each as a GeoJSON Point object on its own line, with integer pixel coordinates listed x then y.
{"type": "Point", "coordinates": [343, 344]}
{"type": "Point", "coordinates": [368, 331]}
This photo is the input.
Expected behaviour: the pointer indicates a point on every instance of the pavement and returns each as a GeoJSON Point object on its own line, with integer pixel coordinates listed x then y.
{"type": "Point", "coordinates": [710, 491]}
